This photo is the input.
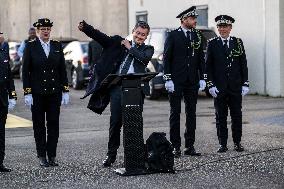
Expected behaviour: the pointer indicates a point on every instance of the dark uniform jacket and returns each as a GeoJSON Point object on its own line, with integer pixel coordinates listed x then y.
{"type": "Point", "coordinates": [184, 60]}
{"type": "Point", "coordinates": [112, 56]}
{"type": "Point", "coordinates": [42, 75]}
{"type": "Point", "coordinates": [226, 70]}
{"type": "Point", "coordinates": [7, 87]}
{"type": "Point", "coordinates": [5, 46]}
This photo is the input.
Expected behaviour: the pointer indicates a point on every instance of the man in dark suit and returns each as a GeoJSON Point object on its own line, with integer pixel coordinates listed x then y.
{"type": "Point", "coordinates": [94, 52]}
{"type": "Point", "coordinates": [184, 67]}
{"type": "Point", "coordinates": [227, 80]}
{"type": "Point", "coordinates": [122, 57]}
{"type": "Point", "coordinates": [7, 101]}
{"type": "Point", "coordinates": [45, 88]}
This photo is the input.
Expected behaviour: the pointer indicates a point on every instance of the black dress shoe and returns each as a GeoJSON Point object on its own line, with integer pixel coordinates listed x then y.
{"type": "Point", "coordinates": [109, 160]}
{"type": "Point", "coordinates": [222, 149]}
{"type": "Point", "coordinates": [238, 147]}
{"type": "Point", "coordinates": [52, 162]}
{"type": "Point", "coordinates": [43, 162]}
{"type": "Point", "coordinates": [4, 169]}
{"type": "Point", "coordinates": [191, 152]}
{"type": "Point", "coordinates": [177, 152]}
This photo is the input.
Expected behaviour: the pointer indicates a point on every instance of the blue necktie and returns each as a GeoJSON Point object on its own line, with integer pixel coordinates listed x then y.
{"type": "Point", "coordinates": [226, 46]}
{"type": "Point", "coordinates": [126, 64]}
{"type": "Point", "coordinates": [188, 36]}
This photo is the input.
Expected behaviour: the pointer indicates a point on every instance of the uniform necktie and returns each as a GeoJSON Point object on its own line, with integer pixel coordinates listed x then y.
{"type": "Point", "coordinates": [225, 45]}
{"type": "Point", "coordinates": [188, 36]}
{"type": "Point", "coordinates": [126, 64]}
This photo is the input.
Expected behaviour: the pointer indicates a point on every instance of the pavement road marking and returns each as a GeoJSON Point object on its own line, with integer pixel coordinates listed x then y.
{"type": "Point", "coordinates": [16, 122]}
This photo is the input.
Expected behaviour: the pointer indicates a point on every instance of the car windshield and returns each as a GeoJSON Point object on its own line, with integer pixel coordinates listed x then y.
{"type": "Point", "coordinates": [85, 47]}
{"type": "Point", "coordinates": [157, 40]}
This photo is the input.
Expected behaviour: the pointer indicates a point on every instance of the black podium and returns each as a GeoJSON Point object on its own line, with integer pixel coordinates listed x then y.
{"type": "Point", "coordinates": [132, 120]}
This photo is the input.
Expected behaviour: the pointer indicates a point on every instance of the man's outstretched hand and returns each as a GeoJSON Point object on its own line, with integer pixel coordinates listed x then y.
{"type": "Point", "coordinates": [81, 25]}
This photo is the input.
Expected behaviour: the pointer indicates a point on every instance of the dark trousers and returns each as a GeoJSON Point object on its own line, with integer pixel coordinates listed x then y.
{"type": "Point", "coordinates": [233, 101]}
{"type": "Point", "coordinates": [46, 107]}
{"type": "Point", "coordinates": [115, 120]}
{"type": "Point", "coordinates": [190, 94]}
{"type": "Point", "coordinates": [3, 117]}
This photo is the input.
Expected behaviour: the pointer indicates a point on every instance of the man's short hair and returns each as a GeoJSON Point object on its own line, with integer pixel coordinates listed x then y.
{"type": "Point", "coordinates": [142, 24]}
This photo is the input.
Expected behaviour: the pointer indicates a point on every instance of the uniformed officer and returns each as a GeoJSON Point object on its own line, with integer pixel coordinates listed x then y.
{"type": "Point", "coordinates": [7, 101]}
{"type": "Point", "coordinates": [45, 87]}
{"type": "Point", "coordinates": [227, 80]}
{"type": "Point", "coordinates": [184, 67]}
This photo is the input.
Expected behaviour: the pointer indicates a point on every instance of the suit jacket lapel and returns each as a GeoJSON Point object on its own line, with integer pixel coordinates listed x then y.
{"type": "Point", "coordinates": [40, 49]}
{"type": "Point", "coordinates": [231, 44]}
{"type": "Point", "coordinates": [51, 51]}
{"type": "Point", "coordinates": [220, 44]}
{"type": "Point", "coordinates": [181, 34]}
{"type": "Point", "coordinates": [140, 47]}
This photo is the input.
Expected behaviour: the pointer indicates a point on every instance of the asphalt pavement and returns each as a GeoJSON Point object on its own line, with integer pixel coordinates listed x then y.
{"type": "Point", "coordinates": [83, 143]}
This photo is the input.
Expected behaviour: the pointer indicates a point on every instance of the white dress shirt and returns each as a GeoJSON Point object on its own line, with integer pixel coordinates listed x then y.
{"type": "Point", "coordinates": [228, 42]}
{"type": "Point", "coordinates": [186, 30]}
{"type": "Point", "coordinates": [45, 46]}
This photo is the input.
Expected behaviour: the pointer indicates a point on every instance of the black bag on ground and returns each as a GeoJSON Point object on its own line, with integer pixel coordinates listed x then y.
{"type": "Point", "coordinates": [159, 153]}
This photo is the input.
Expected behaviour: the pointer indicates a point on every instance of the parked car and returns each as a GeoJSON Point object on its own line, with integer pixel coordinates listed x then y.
{"type": "Point", "coordinates": [65, 40]}
{"type": "Point", "coordinates": [156, 38]}
{"type": "Point", "coordinates": [15, 62]}
{"type": "Point", "coordinates": [77, 65]}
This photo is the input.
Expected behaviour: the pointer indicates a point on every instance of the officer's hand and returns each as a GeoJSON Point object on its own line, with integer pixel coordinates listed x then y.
{"type": "Point", "coordinates": [169, 85]}
{"type": "Point", "coordinates": [12, 104]}
{"type": "Point", "coordinates": [202, 85]}
{"type": "Point", "coordinates": [28, 100]}
{"type": "Point", "coordinates": [245, 90]}
{"type": "Point", "coordinates": [65, 98]}
{"type": "Point", "coordinates": [213, 91]}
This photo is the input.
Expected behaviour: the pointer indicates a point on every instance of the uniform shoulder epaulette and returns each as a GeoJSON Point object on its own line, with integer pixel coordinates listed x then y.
{"type": "Point", "coordinates": [33, 40]}
{"type": "Point", "coordinates": [177, 29]}
{"type": "Point", "coordinates": [212, 39]}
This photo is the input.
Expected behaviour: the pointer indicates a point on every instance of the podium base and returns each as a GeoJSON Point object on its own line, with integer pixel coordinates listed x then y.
{"type": "Point", "coordinates": [123, 172]}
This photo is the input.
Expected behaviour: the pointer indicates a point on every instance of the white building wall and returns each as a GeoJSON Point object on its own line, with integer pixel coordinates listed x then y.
{"type": "Point", "coordinates": [281, 8]}
{"type": "Point", "coordinates": [253, 24]}
{"type": "Point", "coordinates": [272, 47]}
{"type": "Point", "coordinates": [17, 16]}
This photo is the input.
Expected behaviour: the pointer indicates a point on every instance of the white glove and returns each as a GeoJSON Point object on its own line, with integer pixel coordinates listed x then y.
{"type": "Point", "coordinates": [245, 90]}
{"type": "Point", "coordinates": [12, 104]}
{"type": "Point", "coordinates": [29, 100]}
{"type": "Point", "coordinates": [202, 85]}
{"type": "Point", "coordinates": [213, 91]}
{"type": "Point", "coordinates": [169, 85]}
{"type": "Point", "coordinates": [65, 98]}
